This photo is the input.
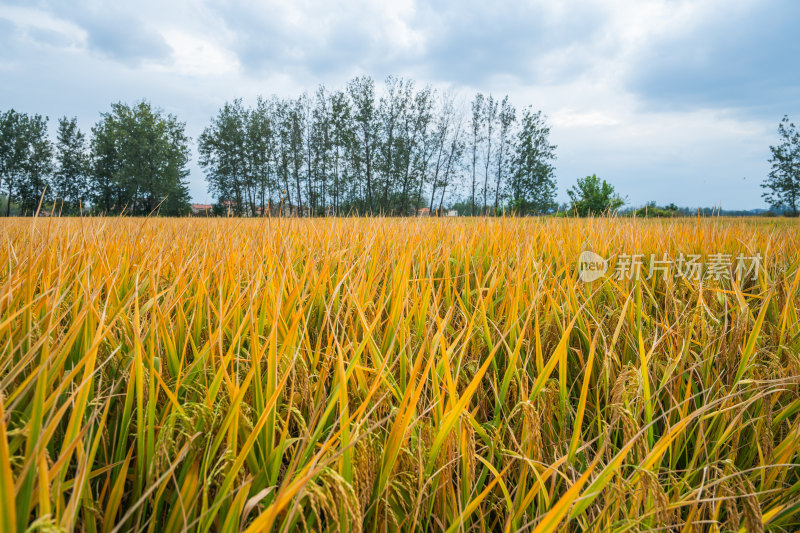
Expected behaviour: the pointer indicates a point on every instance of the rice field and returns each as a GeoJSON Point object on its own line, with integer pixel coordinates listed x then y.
{"type": "Point", "coordinates": [397, 375]}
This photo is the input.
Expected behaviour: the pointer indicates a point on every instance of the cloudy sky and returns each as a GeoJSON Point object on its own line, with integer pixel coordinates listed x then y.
{"type": "Point", "coordinates": [669, 100]}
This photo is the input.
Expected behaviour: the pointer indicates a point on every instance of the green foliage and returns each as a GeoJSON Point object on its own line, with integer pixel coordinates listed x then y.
{"type": "Point", "coordinates": [651, 210]}
{"type": "Point", "coordinates": [783, 183]}
{"type": "Point", "coordinates": [139, 159]}
{"type": "Point", "coordinates": [507, 117]}
{"type": "Point", "coordinates": [476, 130]}
{"type": "Point", "coordinates": [591, 196]}
{"type": "Point", "coordinates": [355, 151]}
{"type": "Point", "coordinates": [489, 120]}
{"type": "Point", "coordinates": [361, 91]}
{"type": "Point", "coordinates": [350, 151]}
{"type": "Point", "coordinates": [532, 189]}
{"type": "Point", "coordinates": [71, 176]}
{"type": "Point", "coordinates": [25, 159]}
{"type": "Point", "coordinates": [222, 154]}
{"type": "Point", "coordinates": [136, 163]}
{"type": "Point", "coordinates": [34, 186]}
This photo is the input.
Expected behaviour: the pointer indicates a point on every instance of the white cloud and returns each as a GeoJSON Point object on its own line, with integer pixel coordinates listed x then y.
{"type": "Point", "coordinates": [28, 17]}
{"type": "Point", "coordinates": [193, 55]}
{"type": "Point", "coordinates": [629, 85]}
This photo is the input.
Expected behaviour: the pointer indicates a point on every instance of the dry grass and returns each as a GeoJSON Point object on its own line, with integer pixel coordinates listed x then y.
{"type": "Point", "coordinates": [383, 375]}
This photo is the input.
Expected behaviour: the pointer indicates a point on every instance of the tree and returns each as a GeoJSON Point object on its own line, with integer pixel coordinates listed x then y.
{"type": "Point", "coordinates": [321, 146]}
{"type": "Point", "coordinates": [591, 196]}
{"type": "Point", "coordinates": [25, 159]}
{"type": "Point", "coordinates": [140, 159]}
{"type": "Point", "coordinates": [12, 151]}
{"type": "Point", "coordinates": [447, 116]}
{"type": "Point", "coordinates": [283, 112]}
{"type": "Point", "coordinates": [507, 117]}
{"type": "Point", "coordinates": [342, 138]}
{"type": "Point", "coordinates": [260, 146]}
{"type": "Point", "coordinates": [34, 187]}
{"type": "Point", "coordinates": [391, 108]}
{"type": "Point", "coordinates": [362, 95]}
{"type": "Point", "coordinates": [104, 192]}
{"type": "Point", "coordinates": [355, 151]}
{"type": "Point", "coordinates": [453, 162]}
{"type": "Point", "coordinates": [296, 136]}
{"type": "Point", "coordinates": [477, 122]}
{"type": "Point", "coordinates": [223, 155]}
{"type": "Point", "coordinates": [532, 185]}
{"type": "Point", "coordinates": [417, 153]}
{"type": "Point", "coordinates": [172, 172]}
{"type": "Point", "coordinates": [306, 116]}
{"type": "Point", "coordinates": [783, 182]}
{"type": "Point", "coordinates": [70, 179]}
{"type": "Point", "coordinates": [489, 117]}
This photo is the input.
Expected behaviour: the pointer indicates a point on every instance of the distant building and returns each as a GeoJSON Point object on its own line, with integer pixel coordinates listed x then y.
{"type": "Point", "coordinates": [424, 212]}
{"type": "Point", "coordinates": [202, 209]}
{"type": "Point", "coordinates": [452, 213]}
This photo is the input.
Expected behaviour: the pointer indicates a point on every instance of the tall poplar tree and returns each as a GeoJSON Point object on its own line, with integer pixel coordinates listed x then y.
{"type": "Point", "coordinates": [70, 179]}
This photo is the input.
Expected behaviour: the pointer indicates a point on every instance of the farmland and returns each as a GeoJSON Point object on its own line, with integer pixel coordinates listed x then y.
{"type": "Point", "coordinates": [374, 374]}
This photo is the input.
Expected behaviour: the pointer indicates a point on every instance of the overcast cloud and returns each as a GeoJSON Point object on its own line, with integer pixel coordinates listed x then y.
{"type": "Point", "coordinates": [670, 100]}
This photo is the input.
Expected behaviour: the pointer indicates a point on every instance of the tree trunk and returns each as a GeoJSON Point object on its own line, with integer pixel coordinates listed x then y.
{"type": "Point", "coordinates": [369, 171]}
{"type": "Point", "coordinates": [499, 174]}
{"type": "Point", "coordinates": [8, 199]}
{"type": "Point", "coordinates": [474, 164]}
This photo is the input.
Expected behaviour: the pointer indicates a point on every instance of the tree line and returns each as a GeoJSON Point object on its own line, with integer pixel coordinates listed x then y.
{"type": "Point", "coordinates": [353, 150]}
{"type": "Point", "coordinates": [134, 162]}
